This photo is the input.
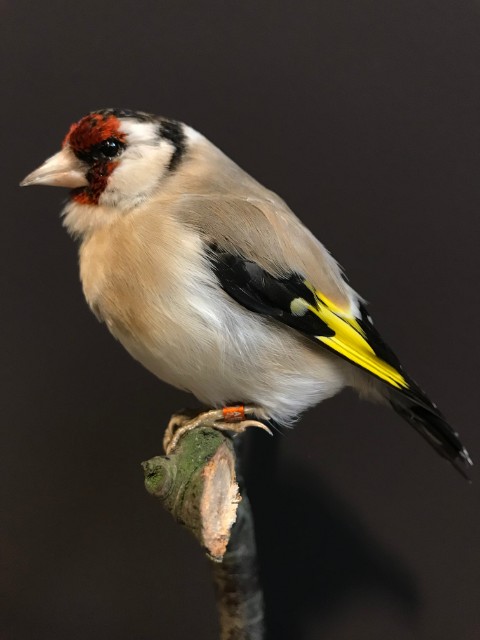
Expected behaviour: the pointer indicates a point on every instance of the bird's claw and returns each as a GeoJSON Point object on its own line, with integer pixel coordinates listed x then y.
{"type": "Point", "coordinates": [232, 419]}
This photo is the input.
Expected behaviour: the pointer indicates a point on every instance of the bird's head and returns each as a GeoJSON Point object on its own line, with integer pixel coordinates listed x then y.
{"type": "Point", "coordinates": [111, 159]}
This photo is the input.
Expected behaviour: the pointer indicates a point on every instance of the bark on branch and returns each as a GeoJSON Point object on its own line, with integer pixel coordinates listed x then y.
{"type": "Point", "coordinates": [198, 484]}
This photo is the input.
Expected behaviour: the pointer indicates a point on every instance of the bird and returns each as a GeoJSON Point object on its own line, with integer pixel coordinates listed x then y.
{"type": "Point", "coordinates": [209, 280]}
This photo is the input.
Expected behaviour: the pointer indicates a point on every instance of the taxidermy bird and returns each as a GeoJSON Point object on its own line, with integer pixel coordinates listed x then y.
{"type": "Point", "coordinates": [211, 282]}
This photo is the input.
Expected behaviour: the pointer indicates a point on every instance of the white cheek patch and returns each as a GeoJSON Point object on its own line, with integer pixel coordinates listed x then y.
{"type": "Point", "coordinates": [140, 132]}
{"type": "Point", "coordinates": [141, 166]}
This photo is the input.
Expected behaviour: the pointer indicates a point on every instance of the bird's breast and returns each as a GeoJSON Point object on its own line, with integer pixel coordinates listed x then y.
{"type": "Point", "coordinates": [135, 272]}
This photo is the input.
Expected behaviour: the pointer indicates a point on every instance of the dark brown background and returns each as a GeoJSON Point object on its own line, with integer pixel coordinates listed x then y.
{"type": "Point", "coordinates": [365, 117]}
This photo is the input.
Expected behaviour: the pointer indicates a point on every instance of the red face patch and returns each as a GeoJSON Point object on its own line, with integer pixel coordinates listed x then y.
{"type": "Point", "coordinates": [92, 130]}
{"type": "Point", "coordinates": [97, 182]}
{"type": "Point", "coordinates": [83, 137]}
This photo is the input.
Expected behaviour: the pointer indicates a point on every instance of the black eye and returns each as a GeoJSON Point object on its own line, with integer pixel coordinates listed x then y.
{"type": "Point", "coordinates": [109, 148]}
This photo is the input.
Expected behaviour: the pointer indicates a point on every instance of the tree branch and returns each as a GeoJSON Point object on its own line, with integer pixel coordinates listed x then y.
{"type": "Point", "coordinates": [198, 485]}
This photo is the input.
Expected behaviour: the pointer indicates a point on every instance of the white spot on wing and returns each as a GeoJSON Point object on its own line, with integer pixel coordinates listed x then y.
{"type": "Point", "coordinates": [299, 307]}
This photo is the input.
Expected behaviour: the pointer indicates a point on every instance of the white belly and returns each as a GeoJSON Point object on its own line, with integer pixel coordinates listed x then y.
{"type": "Point", "coordinates": [233, 355]}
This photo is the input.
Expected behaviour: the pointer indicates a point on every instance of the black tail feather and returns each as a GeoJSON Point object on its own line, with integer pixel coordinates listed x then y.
{"type": "Point", "coordinates": [414, 406]}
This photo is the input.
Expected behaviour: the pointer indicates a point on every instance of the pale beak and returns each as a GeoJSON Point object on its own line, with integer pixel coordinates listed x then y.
{"type": "Point", "coordinates": [61, 170]}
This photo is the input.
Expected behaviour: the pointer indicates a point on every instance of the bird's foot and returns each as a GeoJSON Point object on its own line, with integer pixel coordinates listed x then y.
{"type": "Point", "coordinates": [234, 419]}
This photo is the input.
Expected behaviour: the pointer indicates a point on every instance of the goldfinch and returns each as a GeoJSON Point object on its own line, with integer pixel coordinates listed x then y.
{"type": "Point", "coordinates": [211, 282]}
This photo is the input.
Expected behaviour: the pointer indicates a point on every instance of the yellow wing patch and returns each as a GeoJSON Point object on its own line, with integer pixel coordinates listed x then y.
{"type": "Point", "coordinates": [350, 339]}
